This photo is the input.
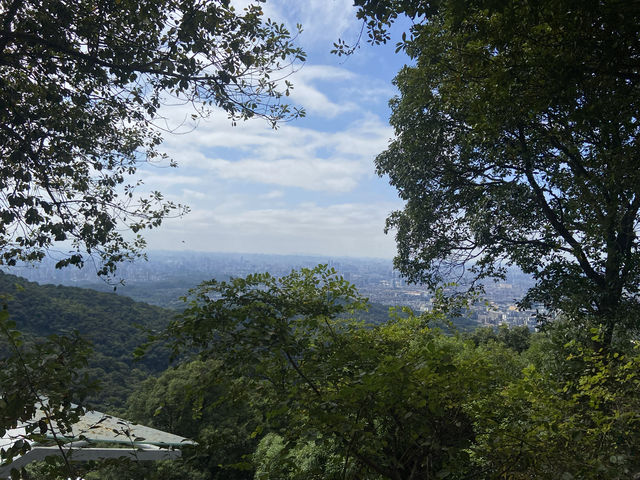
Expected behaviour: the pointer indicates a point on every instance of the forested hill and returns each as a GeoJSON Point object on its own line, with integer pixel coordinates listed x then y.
{"type": "Point", "coordinates": [111, 322]}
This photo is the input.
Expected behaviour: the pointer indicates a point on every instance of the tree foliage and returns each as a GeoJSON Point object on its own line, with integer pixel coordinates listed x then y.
{"type": "Point", "coordinates": [572, 413]}
{"type": "Point", "coordinates": [380, 401]}
{"type": "Point", "coordinates": [401, 400]}
{"type": "Point", "coordinates": [200, 401]}
{"type": "Point", "coordinates": [40, 378]}
{"type": "Point", "coordinates": [81, 85]}
{"type": "Point", "coordinates": [113, 325]}
{"type": "Point", "coordinates": [516, 141]}
{"type": "Point", "coordinates": [515, 338]}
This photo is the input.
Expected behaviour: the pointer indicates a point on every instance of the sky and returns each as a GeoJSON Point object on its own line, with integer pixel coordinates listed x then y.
{"type": "Point", "coordinates": [308, 187]}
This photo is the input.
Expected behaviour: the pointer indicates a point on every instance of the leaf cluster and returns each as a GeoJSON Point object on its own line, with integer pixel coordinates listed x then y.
{"type": "Point", "coordinates": [81, 88]}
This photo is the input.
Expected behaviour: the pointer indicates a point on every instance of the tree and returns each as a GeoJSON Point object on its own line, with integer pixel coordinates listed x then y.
{"type": "Point", "coordinates": [572, 413]}
{"type": "Point", "coordinates": [195, 400]}
{"type": "Point", "coordinates": [81, 84]}
{"type": "Point", "coordinates": [40, 378]}
{"type": "Point", "coordinates": [516, 143]}
{"type": "Point", "coordinates": [372, 401]}
{"type": "Point", "coordinates": [515, 338]}
{"type": "Point", "coordinates": [277, 458]}
{"type": "Point", "coordinates": [402, 400]}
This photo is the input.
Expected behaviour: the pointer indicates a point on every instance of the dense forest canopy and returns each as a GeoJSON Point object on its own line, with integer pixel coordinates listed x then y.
{"type": "Point", "coordinates": [332, 397]}
{"type": "Point", "coordinates": [113, 325]}
{"type": "Point", "coordinates": [281, 379]}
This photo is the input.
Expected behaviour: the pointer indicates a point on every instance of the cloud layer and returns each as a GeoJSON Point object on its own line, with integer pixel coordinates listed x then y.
{"type": "Point", "coordinates": [336, 230]}
{"type": "Point", "coordinates": [307, 187]}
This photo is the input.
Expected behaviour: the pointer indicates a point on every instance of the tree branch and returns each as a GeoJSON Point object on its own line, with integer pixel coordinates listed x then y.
{"type": "Point", "coordinates": [576, 249]}
{"type": "Point", "coordinates": [301, 373]}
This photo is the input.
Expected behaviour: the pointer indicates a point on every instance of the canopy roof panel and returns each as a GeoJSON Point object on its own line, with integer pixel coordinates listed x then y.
{"type": "Point", "coordinates": [114, 437]}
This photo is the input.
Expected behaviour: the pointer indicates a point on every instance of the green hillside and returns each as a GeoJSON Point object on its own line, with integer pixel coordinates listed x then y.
{"type": "Point", "coordinates": [114, 324]}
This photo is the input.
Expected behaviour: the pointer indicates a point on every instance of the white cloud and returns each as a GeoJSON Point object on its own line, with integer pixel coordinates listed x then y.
{"type": "Point", "coordinates": [308, 187]}
{"type": "Point", "coordinates": [324, 72]}
{"type": "Point", "coordinates": [193, 194]}
{"type": "Point", "coordinates": [169, 177]}
{"type": "Point", "coordinates": [313, 174]}
{"type": "Point", "coordinates": [315, 101]}
{"type": "Point", "coordinates": [291, 156]}
{"type": "Point", "coordinates": [273, 194]}
{"type": "Point", "coordinates": [323, 21]}
{"type": "Point", "coordinates": [352, 229]}
{"type": "Point", "coordinates": [306, 93]}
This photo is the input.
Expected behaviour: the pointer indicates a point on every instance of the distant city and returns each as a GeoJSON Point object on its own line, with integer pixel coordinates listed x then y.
{"type": "Point", "coordinates": [166, 276]}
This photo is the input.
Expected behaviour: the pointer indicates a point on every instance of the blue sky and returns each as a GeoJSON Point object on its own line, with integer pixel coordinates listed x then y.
{"type": "Point", "coordinates": [308, 187]}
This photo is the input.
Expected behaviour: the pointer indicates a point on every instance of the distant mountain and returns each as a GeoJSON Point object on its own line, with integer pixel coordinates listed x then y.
{"type": "Point", "coordinates": [111, 322]}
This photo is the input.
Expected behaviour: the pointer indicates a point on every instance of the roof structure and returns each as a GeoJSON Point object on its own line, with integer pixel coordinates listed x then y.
{"type": "Point", "coordinates": [94, 436]}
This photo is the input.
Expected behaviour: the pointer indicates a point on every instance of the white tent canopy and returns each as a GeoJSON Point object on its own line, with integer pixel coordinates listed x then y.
{"type": "Point", "coordinates": [94, 436]}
